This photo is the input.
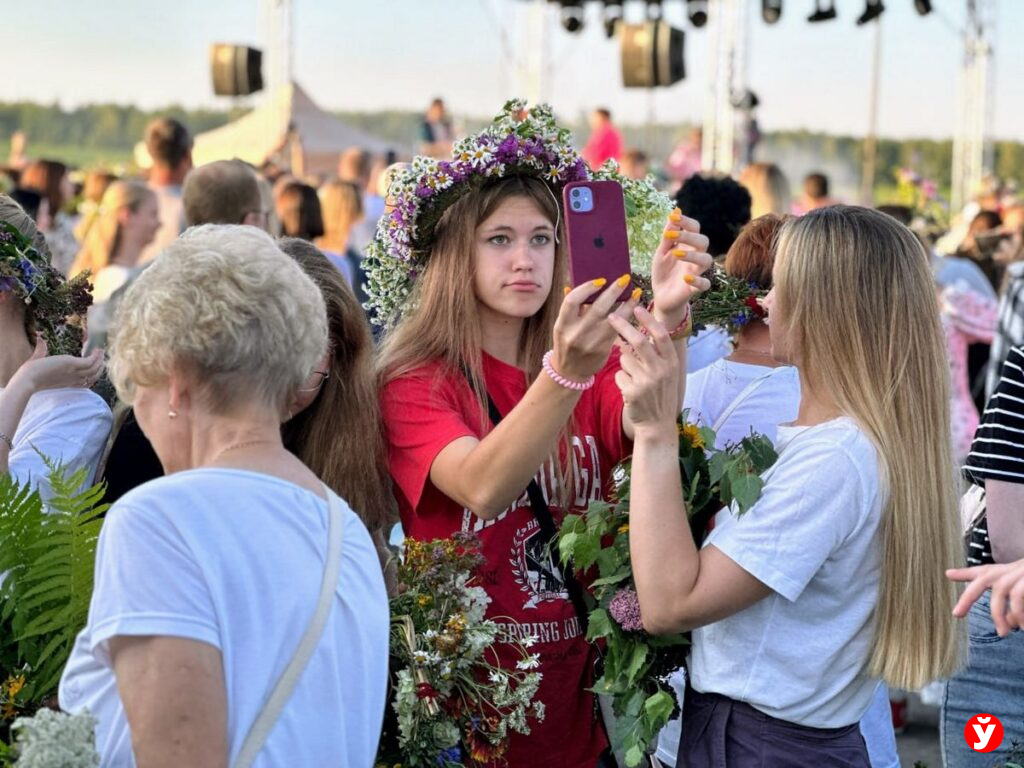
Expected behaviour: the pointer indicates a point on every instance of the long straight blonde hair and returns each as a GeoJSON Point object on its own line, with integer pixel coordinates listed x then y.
{"type": "Point", "coordinates": [102, 233]}
{"type": "Point", "coordinates": [857, 290]}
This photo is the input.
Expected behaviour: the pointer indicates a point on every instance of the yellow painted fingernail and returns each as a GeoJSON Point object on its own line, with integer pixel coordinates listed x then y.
{"type": "Point", "coordinates": [676, 215]}
{"type": "Point", "coordinates": [671, 234]}
{"type": "Point", "coordinates": [599, 282]}
{"type": "Point", "coordinates": [623, 281]}
{"type": "Point", "coordinates": [637, 294]}
{"type": "Point", "coordinates": [677, 210]}
{"type": "Point", "coordinates": [679, 252]}
{"type": "Point", "coordinates": [689, 279]}
{"type": "Point", "coordinates": [567, 290]}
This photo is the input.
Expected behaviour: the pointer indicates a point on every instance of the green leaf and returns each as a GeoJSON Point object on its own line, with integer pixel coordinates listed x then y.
{"type": "Point", "coordinates": [659, 708]}
{"type": "Point", "coordinates": [599, 624]}
{"type": "Point", "coordinates": [717, 465]}
{"type": "Point", "coordinates": [634, 755]}
{"type": "Point", "coordinates": [635, 662]}
{"type": "Point", "coordinates": [746, 489]}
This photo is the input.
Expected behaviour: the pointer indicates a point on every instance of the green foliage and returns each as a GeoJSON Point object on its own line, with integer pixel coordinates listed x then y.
{"type": "Point", "coordinates": [48, 557]}
{"type": "Point", "coordinates": [636, 664]}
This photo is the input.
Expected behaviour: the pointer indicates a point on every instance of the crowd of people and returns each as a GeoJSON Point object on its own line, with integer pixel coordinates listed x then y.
{"type": "Point", "coordinates": [260, 434]}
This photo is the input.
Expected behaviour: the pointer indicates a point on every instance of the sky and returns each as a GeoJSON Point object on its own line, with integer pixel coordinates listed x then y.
{"type": "Point", "coordinates": [378, 54]}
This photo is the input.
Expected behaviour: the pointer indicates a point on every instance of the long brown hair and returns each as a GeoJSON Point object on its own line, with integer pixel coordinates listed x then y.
{"type": "Point", "coordinates": [444, 326]}
{"type": "Point", "coordinates": [340, 435]}
{"type": "Point", "coordinates": [881, 356]}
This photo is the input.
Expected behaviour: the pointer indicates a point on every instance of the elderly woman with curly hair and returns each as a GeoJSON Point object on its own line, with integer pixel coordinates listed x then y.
{"type": "Point", "coordinates": [239, 614]}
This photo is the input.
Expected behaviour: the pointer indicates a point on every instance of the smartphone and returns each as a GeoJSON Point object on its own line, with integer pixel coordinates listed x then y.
{"type": "Point", "coordinates": [595, 232]}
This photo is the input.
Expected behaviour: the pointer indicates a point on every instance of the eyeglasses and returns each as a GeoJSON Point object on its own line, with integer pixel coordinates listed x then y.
{"type": "Point", "coordinates": [324, 376]}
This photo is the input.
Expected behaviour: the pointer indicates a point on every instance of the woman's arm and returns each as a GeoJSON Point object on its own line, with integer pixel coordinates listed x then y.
{"type": "Point", "coordinates": [175, 700]}
{"type": "Point", "coordinates": [40, 372]}
{"type": "Point", "coordinates": [679, 587]}
{"type": "Point", "coordinates": [488, 475]}
{"type": "Point", "coordinates": [1004, 510]}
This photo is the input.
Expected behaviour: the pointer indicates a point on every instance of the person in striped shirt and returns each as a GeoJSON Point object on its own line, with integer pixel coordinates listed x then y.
{"type": "Point", "coordinates": [992, 681]}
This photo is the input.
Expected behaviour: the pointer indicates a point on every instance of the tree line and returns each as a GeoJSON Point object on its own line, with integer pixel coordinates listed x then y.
{"type": "Point", "coordinates": [116, 128]}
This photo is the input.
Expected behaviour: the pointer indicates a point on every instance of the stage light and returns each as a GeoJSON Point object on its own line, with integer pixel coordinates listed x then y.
{"type": "Point", "coordinates": [872, 10]}
{"type": "Point", "coordinates": [612, 16]}
{"type": "Point", "coordinates": [771, 10]}
{"type": "Point", "coordinates": [923, 7]}
{"type": "Point", "coordinates": [572, 15]}
{"type": "Point", "coordinates": [697, 10]}
{"type": "Point", "coordinates": [822, 14]}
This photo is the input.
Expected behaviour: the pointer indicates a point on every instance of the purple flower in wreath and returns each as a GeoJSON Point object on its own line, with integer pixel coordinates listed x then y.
{"type": "Point", "coordinates": [625, 609]}
{"type": "Point", "coordinates": [740, 320]}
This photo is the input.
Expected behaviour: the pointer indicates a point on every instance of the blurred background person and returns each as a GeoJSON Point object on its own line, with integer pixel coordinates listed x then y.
{"type": "Point", "coordinates": [50, 179]}
{"type": "Point", "coordinates": [768, 188]}
{"type": "Point", "coordinates": [93, 188]}
{"type": "Point", "coordinates": [605, 141]}
{"type": "Point", "coordinates": [223, 192]}
{"type": "Point", "coordinates": [635, 164]}
{"type": "Point", "coordinates": [298, 208]}
{"type": "Point", "coordinates": [341, 206]}
{"type": "Point", "coordinates": [436, 132]}
{"type": "Point", "coordinates": [685, 159]}
{"type": "Point", "coordinates": [816, 194]}
{"type": "Point", "coordinates": [170, 146]}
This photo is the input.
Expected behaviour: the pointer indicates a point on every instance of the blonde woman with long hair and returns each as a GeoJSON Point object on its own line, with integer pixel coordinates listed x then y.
{"type": "Point", "coordinates": [834, 579]}
{"type": "Point", "coordinates": [768, 188]}
{"type": "Point", "coordinates": [488, 320]}
{"type": "Point", "coordinates": [341, 205]}
{"type": "Point", "coordinates": [124, 224]}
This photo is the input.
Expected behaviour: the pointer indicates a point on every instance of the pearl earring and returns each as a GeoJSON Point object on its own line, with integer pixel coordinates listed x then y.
{"type": "Point", "coordinates": [171, 414]}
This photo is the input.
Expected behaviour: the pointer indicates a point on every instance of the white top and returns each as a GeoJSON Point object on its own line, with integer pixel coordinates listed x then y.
{"type": "Point", "coordinates": [813, 537]}
{"type": "Point", "coordinates": [108, 280]}
{"type": "Point", "coordinates": [712, 390]}
{"type": "Point", "coordinates": [69, 426]}
{"type": "Point", "coordinates": [235, 559]}
{"type": "Point", "coordinates": [703, 348]}
{"type": "Point", "coordinates": [172, 220]}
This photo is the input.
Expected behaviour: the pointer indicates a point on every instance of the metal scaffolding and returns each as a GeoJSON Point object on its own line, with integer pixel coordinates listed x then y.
{"type": "Point", "coordinates": [724, 80]}
{"type": "Point", "coordinates": [972, 148]}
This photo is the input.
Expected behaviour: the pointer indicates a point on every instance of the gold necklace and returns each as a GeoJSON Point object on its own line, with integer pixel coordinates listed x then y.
{"type": "Point", "coordinates": [238, 446]}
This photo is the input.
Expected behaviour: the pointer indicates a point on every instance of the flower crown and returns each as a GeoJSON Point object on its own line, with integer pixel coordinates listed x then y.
{"type": "Point", "coordinates": [512, 145]}
{"type": "Point", "coordinates": [56, 301]}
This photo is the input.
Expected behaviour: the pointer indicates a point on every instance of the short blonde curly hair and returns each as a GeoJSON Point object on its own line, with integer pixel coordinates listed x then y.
{"type": "Point", "coordinates": [224, 302]}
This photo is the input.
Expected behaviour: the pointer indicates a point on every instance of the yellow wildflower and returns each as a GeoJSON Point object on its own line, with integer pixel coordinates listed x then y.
{"type": "Point", "coordinates": [692, 434]}
{"type": "Point", "coordinates": [14, 685]}
{"type": "Point", "coordinates": [424, 600]}
{"type": "Point", "coordinates": [624, 528]}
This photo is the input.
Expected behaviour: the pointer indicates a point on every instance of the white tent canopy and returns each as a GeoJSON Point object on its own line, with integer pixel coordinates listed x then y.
{"type": "Point", "coordinates": [316, 139]}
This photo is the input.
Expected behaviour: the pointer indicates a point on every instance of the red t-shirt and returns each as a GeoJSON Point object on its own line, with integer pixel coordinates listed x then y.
{"type": "Point", "coordinates": [604, 143]}
{"type": "Point", "coordinates": [424, 411]}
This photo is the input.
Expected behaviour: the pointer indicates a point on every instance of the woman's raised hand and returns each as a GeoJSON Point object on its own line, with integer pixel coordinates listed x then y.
{"type": "Point", "coordinates": [1006, 580]}
{"type": "Point", "coordinates": [41, 371]}
{"type": "Point", "coordinates": [649, 378]}
{"type": "Point", "coordinates": [678, 264]}
{"type": "Point", "coordinates": [583, 337]}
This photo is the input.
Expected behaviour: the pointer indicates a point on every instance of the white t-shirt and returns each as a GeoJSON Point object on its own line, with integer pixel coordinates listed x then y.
{"type": "Point", "coordinates": [235, 559]}
{"type": "Point", "coordinates": [711, 390]}
{"type": "Point", "coordinates": [703, 348]}
{"type": "Point", "coordinates": [69, 426]}
{"type": "Point", "coordinates": [108, 280]}
{"type": "Point", "coordinates": [813, 537]}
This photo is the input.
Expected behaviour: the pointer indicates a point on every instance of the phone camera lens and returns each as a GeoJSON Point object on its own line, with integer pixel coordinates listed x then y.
{"type": "Point", "coordinates": [576, 192]}
{"type": "Point", "coordinates": [576, 204]}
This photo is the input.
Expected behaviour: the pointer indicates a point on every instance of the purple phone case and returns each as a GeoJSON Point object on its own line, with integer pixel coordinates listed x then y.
{"type": "Point", "coordinates": [596, 240]}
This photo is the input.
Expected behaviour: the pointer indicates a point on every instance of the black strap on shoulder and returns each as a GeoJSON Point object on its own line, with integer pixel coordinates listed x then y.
{"type": "Point", "coordinates": [542, 513]}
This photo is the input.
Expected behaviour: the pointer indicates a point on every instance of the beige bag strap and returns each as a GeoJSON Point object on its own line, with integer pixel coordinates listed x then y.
{"type": "Point", "coordinates": [279, 696]}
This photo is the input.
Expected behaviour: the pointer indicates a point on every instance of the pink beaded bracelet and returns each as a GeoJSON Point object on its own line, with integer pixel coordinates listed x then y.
{"type": "Point", "coordinates": [577, 386]}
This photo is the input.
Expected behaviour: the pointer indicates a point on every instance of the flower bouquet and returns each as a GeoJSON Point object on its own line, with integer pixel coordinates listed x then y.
{"type": "Point", "coordinates": [454, 705]}
{"type": "Point", "coordinates": [637, 664]}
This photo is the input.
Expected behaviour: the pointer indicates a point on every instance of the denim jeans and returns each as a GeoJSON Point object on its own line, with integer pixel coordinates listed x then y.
{"type": "Point", "coordinates": [992, 683]}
